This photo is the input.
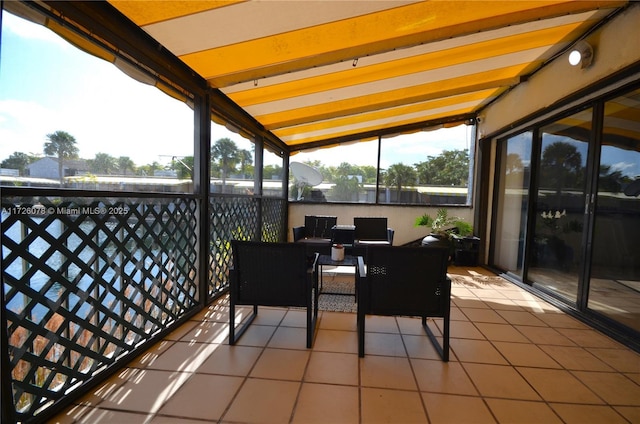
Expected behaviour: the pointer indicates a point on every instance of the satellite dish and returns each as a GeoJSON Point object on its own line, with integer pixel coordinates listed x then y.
{"type": "Point", "coordinates": [304, 176]}
{"type": "Point", "coordinates": [633, 189]}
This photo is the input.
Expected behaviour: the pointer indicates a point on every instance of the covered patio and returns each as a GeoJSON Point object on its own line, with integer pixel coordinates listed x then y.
{"type": "Point", "coordinates": [115, 290]}
{"type": "Point", "coordinates": [514, 359]}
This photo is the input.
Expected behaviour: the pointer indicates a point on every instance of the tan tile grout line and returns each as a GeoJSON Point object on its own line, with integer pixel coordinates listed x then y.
{"type": "Point", "coordinates": [279, 324]}
{"type": "Point", "coordinates": [306, 367]}
{"type": "Point", "coordinates": [491, 342]}
{"type": "Point", "coordinates": [562, 367]}
{"type": "Point", "coordinates": [246, 377]}
{"type": "Point", "coordinates": [413, 371]}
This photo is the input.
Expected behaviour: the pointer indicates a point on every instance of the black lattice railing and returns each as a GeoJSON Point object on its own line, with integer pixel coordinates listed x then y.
{"type": "Point", "coordinates": [86, 281]}
{"type": "Point", "coordinates": [273, 220]}
{"type": "Point", "coordinates": [241, 218]}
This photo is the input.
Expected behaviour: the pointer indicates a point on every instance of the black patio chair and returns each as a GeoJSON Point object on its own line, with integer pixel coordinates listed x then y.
{"type": "Point", "coordinates": [272, 274]}
{"type": "Point", "coordinates": [372, 231]}
{"type": "Point", "coordinates": [405, 281]}
{"type": "Point", "coordinates": [316, 233]}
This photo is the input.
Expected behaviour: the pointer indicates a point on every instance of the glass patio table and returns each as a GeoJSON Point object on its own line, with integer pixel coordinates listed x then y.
{"type": "Point", "coordinates": [325, 260]}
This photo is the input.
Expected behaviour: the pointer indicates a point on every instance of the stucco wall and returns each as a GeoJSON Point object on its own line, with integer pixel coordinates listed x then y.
{"type": "Point", "coordinates": [44, 168]}
{"type": "Point", "coordinates": [616, 45]}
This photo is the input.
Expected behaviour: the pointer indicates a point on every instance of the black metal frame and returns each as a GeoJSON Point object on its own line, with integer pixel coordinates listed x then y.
{"type": "Point", "coordinates": [579, 309]}
{"type": "Point", "coordinates": [405, 281]}
{"type": "Point", "coordinates": [272, 274]}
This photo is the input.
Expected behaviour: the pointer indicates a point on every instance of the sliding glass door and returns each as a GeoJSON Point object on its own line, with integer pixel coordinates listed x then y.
{"type": "Point", "coordinates": [514, 158]}
{"type": "Point", "coordinates": [614, 284]}
{"type": "Point", "coordinates": [556, 250]}
{"type": "Point", "coordinates": [566, 217]}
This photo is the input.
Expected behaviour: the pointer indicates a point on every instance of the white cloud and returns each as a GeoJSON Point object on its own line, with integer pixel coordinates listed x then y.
{"type": "Point", "coordinates": [26, 29]}
{"type": "Point", "coordinates": [622, 166]}
{"type": "Point", "coordinates": [24, 125]}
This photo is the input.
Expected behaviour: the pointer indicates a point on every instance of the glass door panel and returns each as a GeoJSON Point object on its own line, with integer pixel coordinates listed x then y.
{"type": "Point", "coordinates": [513, 201]}
{"type": "Point", "coordinates": [614, 286]}
{"type": "Point", "coordinates": [556, 250]}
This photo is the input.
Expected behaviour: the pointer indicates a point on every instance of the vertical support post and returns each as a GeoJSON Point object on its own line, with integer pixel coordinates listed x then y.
{"type": "Point", "coordinates": [259, 165]}
{"type": "Point", "coordinates": [7, 407]}
{"type": "Point", "coordinates": [201, 181]}
{"type": "Point", "coordinates": [286, 160]}
{"type": "Point", "coordinates": [377, 200]}
{"type": "Point", "coordinates": [257, 184]}
{"type": "Point", "coordinates": [471, 179]}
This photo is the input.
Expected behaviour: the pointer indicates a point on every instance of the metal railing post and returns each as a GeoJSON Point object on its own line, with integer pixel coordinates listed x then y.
{"type": "Point", "coordinates": [201, 181]}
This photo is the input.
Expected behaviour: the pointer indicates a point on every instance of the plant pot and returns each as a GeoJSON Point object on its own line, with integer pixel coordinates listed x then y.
{"type": "Point", "coordinates": [436, 240]}
{"type": "Point", "coordinates": [465, 250]}
{"type": "Point", "coordinates": [440, 241]}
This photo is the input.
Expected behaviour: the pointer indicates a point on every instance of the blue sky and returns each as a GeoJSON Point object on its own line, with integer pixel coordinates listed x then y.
{"type": "Point", "coordinates": [46, 85]}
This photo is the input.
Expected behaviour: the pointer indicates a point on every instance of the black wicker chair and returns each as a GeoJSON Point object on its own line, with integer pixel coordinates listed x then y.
{"type": "Point", "coordinates": [272, 274]}
{"type": "Point", "coordinates": [372, 231]}
{"type": "Point", "coordinates": [316, 233]}
{"type": "Point", "coordinates": [405, 281]}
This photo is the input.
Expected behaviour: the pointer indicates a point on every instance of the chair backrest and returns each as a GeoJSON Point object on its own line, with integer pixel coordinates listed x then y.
{"type": "Point", "coordinates": [407, 281]}
{"type": "Point", "coordinates": [270, 274]}
{"type": "Point", "coordinates": [319, 226]}
{"type": "Point", "coordinates": [370, 228]}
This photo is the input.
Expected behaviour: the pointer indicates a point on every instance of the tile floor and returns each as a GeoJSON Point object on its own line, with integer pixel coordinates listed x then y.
{"type": "Point", "coordinates": [514, 359]}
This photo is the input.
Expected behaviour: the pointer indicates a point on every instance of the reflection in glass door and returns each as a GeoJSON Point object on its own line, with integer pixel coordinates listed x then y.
{"type": "Point", "coordinates": [614, 286]}
{"type": "Point", "coordinates": [513, 201]}
{"type": "Point", "coordinates": [556, 250]}
{"type": "Point", "coordinates": [566, 217]}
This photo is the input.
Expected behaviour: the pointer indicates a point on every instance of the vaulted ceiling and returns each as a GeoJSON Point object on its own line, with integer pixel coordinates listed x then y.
{"type": "Point", "coordinates": [315, 72]}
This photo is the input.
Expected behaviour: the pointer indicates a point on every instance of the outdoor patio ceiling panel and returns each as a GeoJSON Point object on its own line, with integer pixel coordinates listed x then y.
{"type": "Point", "coordinates": [453, 105]}
{"type": "Point", "coordinates": [321, 71]}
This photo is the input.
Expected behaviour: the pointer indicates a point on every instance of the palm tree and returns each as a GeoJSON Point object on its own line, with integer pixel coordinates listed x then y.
{"type": "Point", "coordinates": [103, 163]}
{"type": "Point", "coordinates": [399, 175]}
{"type": "Point", "coordinates": [561, 166]}
{"type": "Point", "coordinates": [226, 153]}
{"type": "Point", "coordinates": [124, 163]}
{"type": "Point", "coordinates": [246, 159]}
{"type": "Point", "coordinates": [63, 145]}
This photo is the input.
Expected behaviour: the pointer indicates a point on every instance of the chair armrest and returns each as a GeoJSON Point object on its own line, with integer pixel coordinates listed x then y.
{"type": "Point", "coordinates": [313, 262]}
{"type": "Point", "coordinates": [299, 233]}
{"type": "Point", "coordinates": [361, 269]}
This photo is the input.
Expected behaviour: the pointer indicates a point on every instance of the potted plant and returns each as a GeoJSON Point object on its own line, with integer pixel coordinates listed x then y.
{"type": "Point", "coordinates": [448, 231]}
{"type": "Point", "coordinates": [443, 226]}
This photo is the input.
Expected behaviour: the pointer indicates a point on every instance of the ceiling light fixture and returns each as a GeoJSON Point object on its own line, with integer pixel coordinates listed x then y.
{"type": "Point", "coordinates": [581, 54]}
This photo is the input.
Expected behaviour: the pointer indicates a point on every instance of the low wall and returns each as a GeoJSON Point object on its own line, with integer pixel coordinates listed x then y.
{"type": "Point", "coordinates": [401, 217]}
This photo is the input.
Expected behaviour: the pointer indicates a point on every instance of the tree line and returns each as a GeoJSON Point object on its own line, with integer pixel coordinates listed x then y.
{"type": "Point", "coordinates": [225, 157]}
{"type": "Point", "coordinates": [450, 168]}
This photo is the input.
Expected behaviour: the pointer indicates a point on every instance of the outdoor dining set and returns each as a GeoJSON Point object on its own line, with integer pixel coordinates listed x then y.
{"type": "Point", "coordinates": [389, 280]}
